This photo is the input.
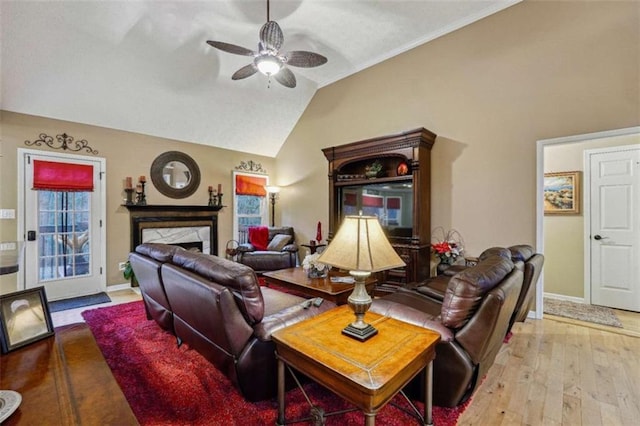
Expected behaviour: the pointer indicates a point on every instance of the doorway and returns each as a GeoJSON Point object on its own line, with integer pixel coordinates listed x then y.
{"type": "Point", "coordinates": [570, 253]}
{"type": "Point", "coordinates": [62, 223]}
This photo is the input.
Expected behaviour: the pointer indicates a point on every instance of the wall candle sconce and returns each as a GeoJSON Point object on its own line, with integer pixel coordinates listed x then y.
{"type": "Point", "coordinates": [273, 196]}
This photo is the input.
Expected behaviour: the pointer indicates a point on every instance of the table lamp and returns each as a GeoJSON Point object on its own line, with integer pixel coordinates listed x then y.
{"type": "Point", "coordinates": [360, 247]}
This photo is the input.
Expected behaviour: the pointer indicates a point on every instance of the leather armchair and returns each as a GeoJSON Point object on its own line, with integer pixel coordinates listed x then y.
{"type": "Point", "coordinates": [280, 256]}
{"type": "Point", "coordinates": [472, 321]}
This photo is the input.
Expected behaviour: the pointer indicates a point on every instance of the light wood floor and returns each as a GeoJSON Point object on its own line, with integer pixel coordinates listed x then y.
{"type": "Point", "coordinates": [554, 371]}
{"type": "Point", "coordinates": [560, 373]}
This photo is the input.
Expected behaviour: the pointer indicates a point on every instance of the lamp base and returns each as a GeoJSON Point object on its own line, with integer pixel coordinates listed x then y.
{"type": "Point", "coordinates": [361, 334]}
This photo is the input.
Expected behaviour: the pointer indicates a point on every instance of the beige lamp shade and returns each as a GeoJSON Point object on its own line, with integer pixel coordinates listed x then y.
{"type": "Point", "coordinates": [361, 245]}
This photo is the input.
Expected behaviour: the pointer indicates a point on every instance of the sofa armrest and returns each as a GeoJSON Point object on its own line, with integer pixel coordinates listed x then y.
{"type": "Point", "coordinates": [289, 316]}
{"type": "Point", "coordinates": [405, 313]}
{"type": "Point", "coordinates": [245, 248]}
{"type": "Point", "coordinates": [292, 248]}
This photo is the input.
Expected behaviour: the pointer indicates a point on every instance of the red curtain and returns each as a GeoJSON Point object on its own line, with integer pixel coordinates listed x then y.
{"type": "Point", "coordinates": [251, 185]}
{"type": "Point", "coordinates": [53, 176]}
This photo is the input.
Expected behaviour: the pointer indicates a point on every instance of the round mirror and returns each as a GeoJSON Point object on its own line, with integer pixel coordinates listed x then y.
{"type": "Point", "coordinates": [175, 174]}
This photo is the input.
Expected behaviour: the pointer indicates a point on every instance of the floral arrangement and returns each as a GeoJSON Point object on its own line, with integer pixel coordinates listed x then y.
{"type": "Point", "coordinates": [314, 268]}
{"type": "Point", "coordinates": [311, 261]}
{"type": "Point", "coordinates": [448, 247]}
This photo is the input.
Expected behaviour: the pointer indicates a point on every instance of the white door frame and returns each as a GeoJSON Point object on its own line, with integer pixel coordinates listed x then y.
{"type": "Point", "coordinates": [540, 145]}
{"type": "Point", "coordinates": [103, 213]}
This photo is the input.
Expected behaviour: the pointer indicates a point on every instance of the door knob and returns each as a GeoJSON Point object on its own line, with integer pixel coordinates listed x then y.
{"type": "Point", "coordinates": [597, 237]}
{"type": "Point", "coordinates": [31, 235]}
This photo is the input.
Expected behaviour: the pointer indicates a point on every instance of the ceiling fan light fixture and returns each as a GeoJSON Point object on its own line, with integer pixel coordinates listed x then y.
{"type": "Point", "coordinates": [268, 64]}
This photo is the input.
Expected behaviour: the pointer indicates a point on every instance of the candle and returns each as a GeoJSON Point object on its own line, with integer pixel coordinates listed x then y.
{"type": "Point", "coordinates": [128, 184]}
{"type": "Point", "coordinates": [138, 188]}
{"type": "Point", "coordinates": [142, 179]}
{"type": "Point", "coordinates": [219, 188]}
{"type": "Point", "coordinates": [210, 188]}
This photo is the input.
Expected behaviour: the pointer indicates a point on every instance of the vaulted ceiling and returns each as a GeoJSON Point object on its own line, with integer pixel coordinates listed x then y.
{"type": "Point", "coordinates": [145, 67]}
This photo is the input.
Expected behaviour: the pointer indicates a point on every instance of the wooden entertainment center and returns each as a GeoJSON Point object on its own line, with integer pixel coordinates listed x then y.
{"type": "Point", "coordinates": [390, 177]}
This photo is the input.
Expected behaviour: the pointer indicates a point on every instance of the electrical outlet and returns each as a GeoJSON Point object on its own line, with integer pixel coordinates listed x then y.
{"type": "Point", "coordinates": [7, 214]}
{"type": "Point", "coordinates": [121, 266]}
{"type": "Point", "coordinates": [8, 246]}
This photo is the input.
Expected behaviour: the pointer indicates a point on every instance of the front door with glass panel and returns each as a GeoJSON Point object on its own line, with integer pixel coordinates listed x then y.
{"type": "Point", "coordinates": [62, 232]}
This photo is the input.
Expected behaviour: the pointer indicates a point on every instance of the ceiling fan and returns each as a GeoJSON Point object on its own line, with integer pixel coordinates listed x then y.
{"type": "Point", "coordinates": [268, 59]}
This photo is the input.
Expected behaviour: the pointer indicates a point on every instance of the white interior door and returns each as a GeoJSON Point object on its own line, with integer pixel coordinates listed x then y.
{"type": "Point", "coordinates": [615, 227]}
{"type": "Point", "coordinates": [63, 233]}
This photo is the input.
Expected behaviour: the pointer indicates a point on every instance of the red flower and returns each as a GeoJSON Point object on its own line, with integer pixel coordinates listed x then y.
{"type": "Point", "coordinates": [442, 247]}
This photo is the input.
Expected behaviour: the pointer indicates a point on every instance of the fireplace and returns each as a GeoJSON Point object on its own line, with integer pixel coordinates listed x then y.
{"type": "Point", "coordinates": [187, 226]}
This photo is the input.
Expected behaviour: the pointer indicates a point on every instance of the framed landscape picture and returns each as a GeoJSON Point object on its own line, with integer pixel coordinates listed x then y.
{"type": "Point", "coordinates": [562, 193]}
{"type": "Point", "coordinates": [24, 318]}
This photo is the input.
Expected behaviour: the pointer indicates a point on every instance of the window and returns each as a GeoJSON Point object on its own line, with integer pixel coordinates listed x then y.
{"type": "Point", "coordinates": [249, 203]}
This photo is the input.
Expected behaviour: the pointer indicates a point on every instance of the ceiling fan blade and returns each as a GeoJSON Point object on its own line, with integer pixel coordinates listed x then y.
{"type": "Point", "coordinates": [304, 59]}
{"type": "Point", "coordinates": [286, 78]}
{"type": "Point", "coordinates": [271, 35]}
{"type": "Point", "coordinates": [231, 48]}
{"type": "Point", "coordinates": [244, 72]}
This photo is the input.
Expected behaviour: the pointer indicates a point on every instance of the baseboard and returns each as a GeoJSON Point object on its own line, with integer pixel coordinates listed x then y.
{"type": "Point", "coordinates": [563, 297]}
{"type": "Point", "coordinates": [118, 287]}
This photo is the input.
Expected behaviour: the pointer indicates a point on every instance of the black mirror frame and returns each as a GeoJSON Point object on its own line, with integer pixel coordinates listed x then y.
{"type": "Point", "coordinates": [158, 180]}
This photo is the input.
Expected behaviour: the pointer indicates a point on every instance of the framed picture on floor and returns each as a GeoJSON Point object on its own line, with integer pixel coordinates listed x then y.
{"type": "Point", "coordinates": [24, 318]}
{"type": "Point", "coordinates": [562, 193]}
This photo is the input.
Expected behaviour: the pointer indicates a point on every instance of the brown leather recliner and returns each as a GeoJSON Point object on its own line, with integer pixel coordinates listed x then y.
{"type": "Point", "coordinates": [435, 287]}
{"type": "Point", "coordinates": [472, 320]}
{"type": "Point", "coordinates": [219, 309]}
{"type": "Point", "coordinates": [146, 263]}
{"type": "Point", "coordinates": [533, 263]}
{"type": "Point", "coordinates": [523, 253]}
{"type": "Point", "coordinates": [283, 255]}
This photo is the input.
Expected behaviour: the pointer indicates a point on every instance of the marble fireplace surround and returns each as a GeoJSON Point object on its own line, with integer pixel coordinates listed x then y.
{"type": "Point", "coordinates": [174, 224]}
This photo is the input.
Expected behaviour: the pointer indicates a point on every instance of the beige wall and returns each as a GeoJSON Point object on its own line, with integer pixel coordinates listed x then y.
{"type": "Point", "coordinates": [564, 235]}
{"type": "Point", "coordinates": [126, 154]}
{"type": "Point", "coordinates": [534, 71]}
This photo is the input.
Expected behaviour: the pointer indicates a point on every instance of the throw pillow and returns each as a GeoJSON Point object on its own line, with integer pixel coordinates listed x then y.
{"type": "Point", "coordinates": [259, 237]}
{"type": "Point", "coordinates": [278, 242]}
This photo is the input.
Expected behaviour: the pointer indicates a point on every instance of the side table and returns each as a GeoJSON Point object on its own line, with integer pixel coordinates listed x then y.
{"type": "Point", "coordinates": [313, 247]}
{"type": "Point", "coordinates": [367, 374]}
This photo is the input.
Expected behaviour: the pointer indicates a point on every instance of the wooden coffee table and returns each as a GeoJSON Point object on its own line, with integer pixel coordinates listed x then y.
{"type": "Point", "coordinates": [367, 374]}
{"type": "Point", "coordinates": [296, 279]}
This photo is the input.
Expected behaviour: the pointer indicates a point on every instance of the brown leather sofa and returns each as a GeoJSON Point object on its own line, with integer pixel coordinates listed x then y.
{"type": "Point", "coordinates": [472, 320]}
{"type": "Point", "coordinates": [278, 257]}
{"type": "Point", "coordinates": [218, 308]}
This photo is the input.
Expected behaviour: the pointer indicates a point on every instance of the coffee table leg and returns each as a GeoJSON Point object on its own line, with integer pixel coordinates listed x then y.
{"type": "Point", "coordinates": [428, 394]}
{"type": "Point", "coordinates": [369, 419]}
{"type": "Point", "coordinates": [281, 419]}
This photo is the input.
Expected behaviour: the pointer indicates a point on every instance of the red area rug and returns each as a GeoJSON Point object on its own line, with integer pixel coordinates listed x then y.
{"type": "Point", "coordinates": [167, 385]}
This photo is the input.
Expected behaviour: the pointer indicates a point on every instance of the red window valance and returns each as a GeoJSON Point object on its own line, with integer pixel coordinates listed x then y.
{"type": "Point", "coordinates": [53, 176]}
{"type": "Point", "coordinates": [370, 201]}
{"type": "Point", "coordinates": [251, 185]}
{"type": "Point", "coordinates": [350, 199]}
{"type": "Point", "coordinates": [393, 203]}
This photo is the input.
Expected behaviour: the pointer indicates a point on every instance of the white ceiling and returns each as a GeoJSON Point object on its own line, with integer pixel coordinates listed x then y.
{"type": "Point", "coordinates": [145, 67]}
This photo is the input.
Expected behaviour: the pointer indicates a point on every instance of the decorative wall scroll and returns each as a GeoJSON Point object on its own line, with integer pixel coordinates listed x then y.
{"type": "Point", "coordinates": [64, 142]}
{"type": "Point", "coordinates": [251, 166]}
